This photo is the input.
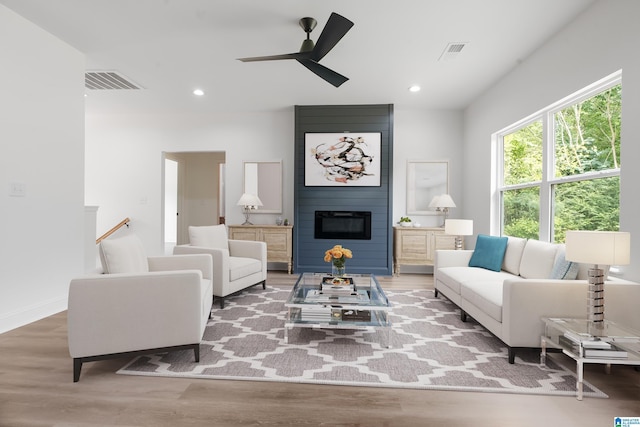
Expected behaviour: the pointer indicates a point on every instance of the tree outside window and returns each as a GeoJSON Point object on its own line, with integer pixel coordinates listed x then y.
{"type": "Point", "coordinates": [582, 184]}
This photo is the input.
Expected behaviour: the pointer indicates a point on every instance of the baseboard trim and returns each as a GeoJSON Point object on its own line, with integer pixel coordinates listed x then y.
{"type": "Point", "coordinates": [29, 314]}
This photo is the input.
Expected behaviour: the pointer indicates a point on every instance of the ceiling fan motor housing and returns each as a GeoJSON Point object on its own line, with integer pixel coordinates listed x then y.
{"type": "Point", "coordinates": [308, 24]}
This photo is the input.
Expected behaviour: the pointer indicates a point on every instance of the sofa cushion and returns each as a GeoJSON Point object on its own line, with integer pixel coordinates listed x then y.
{"type": "Point", "coordinates": [563, 269]}
{"type": "Point", "coordinates": [537, 259]}
{"type": "Point", "coordinates": [240, 267]}
{"type": "Point", "coordinates": [513, 255]}
{"type": "Point", "coordinates": [123, 255]}
{"type": "Point", "coordinates": [209, 236]}
{"type": "Point", "coordinates": [489, 252]}
{"type": "Point", "coordinates": [454, 277]}
{"type": "Point", "coordinates": [484, 294]}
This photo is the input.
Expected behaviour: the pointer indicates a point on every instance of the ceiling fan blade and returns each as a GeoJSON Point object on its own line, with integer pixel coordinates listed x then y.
{"type": "Point", "coordinates": [296, 55]}
{"type": "Point", "coordinates": [337, 26]}
{"type": "Point", "coordinates": [330, 76]}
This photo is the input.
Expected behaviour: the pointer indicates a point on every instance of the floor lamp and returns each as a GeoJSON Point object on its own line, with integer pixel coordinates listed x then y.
{"type": "Point", "coordinates": [458, 228]}
{"type": "Point", "coordinates": [599, 248]}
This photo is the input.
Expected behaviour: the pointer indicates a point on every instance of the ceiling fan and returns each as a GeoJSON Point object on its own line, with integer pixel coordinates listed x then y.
{"type": "Point", "coordinates": [310, 55]}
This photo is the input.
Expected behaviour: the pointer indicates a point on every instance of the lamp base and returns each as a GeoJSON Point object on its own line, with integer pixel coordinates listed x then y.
{"type": "Point", "coordinates": [246, 218]}
{"type": "Point", "coordinates": [445, 212]}
{"type": "Point", "coordinates": [458, 243]}
{"type": "Point", "coordinates": [595, 302]}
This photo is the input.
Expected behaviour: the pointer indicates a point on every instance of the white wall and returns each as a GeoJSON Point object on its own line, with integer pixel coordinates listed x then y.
{"type": "Point", "coordinates": [41, 118]}
{"type": "Point", "coordinates": [123, 160]}
{"type": "Point", "coordinates": [599, 42]}
{"type": "Point", "coordinates": [426, 135]}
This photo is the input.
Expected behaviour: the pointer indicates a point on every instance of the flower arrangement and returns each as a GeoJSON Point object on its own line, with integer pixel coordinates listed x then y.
{"type": "Point", "coordinates": [337, 256]}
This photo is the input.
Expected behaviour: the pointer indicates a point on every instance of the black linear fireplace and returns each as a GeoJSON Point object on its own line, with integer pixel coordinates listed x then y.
{"type": "Point", "coordinates": [343, 225]}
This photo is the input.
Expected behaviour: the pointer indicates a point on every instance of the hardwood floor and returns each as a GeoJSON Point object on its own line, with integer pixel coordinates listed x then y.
{"type": "Point", "coordinates": [36, 389]}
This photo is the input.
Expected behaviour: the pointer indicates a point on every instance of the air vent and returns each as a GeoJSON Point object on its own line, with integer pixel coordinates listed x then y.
{"type": "Point", "coordinates": [108, 80]}
{"type": "Point", "coordinates": [452, 50]}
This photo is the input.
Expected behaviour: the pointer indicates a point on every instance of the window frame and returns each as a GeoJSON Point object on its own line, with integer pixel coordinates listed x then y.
{"type": "Point", "coordinates": [546, 184]}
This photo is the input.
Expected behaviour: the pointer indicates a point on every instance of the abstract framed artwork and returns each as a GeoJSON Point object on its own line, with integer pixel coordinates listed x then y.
{"type": "Point", "coordinates": [342, 159]}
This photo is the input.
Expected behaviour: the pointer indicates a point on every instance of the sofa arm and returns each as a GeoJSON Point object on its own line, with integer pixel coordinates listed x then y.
{"type": "Point", "coordinates": [115, 313]}
{"type": "Point", "coordinates": [249, 249]}
{"type": "Point", "coordinates": [452, 258]}
{"type": "Point", "coordinates": [219, 257]}
{"type": "Point", "coordinates": [526, 301]}
{"type": "Point", "coordinates": [200, 262]}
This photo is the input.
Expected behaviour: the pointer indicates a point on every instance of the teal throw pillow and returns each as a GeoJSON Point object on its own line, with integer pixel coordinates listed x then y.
{"type": "Point", "coordinates": [489, 252]}
{"type": "Point", "coordinates": [563, 269]}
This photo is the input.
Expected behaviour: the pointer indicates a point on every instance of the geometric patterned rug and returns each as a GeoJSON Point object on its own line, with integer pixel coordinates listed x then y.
{"type": "Point", "coordinates": [431, 348]}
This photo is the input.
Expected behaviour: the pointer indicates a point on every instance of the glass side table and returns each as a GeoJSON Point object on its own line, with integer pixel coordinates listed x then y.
{"type": "Point", "coordinates": [613, 345]}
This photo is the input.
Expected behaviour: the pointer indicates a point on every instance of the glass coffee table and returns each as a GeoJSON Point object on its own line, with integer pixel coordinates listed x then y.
{"type": "Point", "coordinates": [613, 344]}
{"type": "Point", "coordinates": [322, 301]}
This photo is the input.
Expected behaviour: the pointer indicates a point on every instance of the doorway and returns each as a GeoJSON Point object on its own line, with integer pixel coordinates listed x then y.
{"type": "Point", "coordinates": [193, 193]}
{"type": "Point", "coordinates": [170, 204]}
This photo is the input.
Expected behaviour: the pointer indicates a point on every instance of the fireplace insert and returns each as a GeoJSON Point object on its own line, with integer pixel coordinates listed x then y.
{"type": "Point", "coordinates": [343, 225]}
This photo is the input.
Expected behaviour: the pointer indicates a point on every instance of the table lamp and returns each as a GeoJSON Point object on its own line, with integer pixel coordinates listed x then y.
{"type": "Point", "coordinates": [434, 203]}
{"type": "Point", "coordinates": [458, 228]}
{"type": "Point", "coordinates": [442, 203]}
{"type": "Point", "coordinates": [248, 203]}
{"type": "Point", "coordinates": [598, 248]}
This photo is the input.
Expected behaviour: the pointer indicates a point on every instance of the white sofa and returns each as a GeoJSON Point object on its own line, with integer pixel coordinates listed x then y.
{"type": "Point", "coordinates": [237, 264]}
{"type": "Point", "coordinates": [139, 305]}
{"type": "Point", "coordinates": [511, 302]}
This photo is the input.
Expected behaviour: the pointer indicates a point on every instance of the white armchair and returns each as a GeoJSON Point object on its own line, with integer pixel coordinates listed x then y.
{"type": "Point", "coordinates": [237, 264]}
{"type": "Point", "coordinates": [139, 305]}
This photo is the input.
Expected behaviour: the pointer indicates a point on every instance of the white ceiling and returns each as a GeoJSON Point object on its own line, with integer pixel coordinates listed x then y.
{"type": "Point", "coordinates": [170, 47]}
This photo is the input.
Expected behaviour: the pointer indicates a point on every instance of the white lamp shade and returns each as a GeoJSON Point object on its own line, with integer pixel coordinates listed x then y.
{"type": "Point", "coordinates": [458, 227]}
{"type": "Point", "coordinates": [249, 200]}
{"type": "Point", "coordinates": [445, 201]}
{"type": "Point", "coordinates": [434, 202]}
{"type": "Point", "coordinates": [598, 247]}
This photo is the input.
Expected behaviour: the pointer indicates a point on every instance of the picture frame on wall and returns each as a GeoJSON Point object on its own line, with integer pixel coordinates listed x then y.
{"type": "Point", "coordinates": [425, 180]}
{"type": "Point", "coordinates": [342, 159]}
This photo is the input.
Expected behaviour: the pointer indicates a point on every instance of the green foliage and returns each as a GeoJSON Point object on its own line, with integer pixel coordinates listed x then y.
{"type": "Point", "coordinates": [587, 205]}
{"type": "Point", "coordinates": [588, 134]}
{"type": "Point", "coordinates": [587, 139]}
{"type": "Point", "coordinates": [521, 212]}
{"type": "Point", "coordinates": [523, 155]}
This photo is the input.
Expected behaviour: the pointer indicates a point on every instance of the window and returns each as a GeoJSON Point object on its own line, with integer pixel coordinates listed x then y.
{"type": "Point", "coordinates": [560, 169]}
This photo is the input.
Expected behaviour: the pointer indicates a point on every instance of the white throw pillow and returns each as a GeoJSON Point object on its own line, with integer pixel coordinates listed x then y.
{"type": "Point", "coordinates": [537, 259]}
{"type": "Point", "coordinates": [123, 255]}
{"type": "Point", "coordinates": [209, 236]}
{"type": "Point", "coordinates": [563, 269]}
{"type": "Point", "coordinates": [513, 255]}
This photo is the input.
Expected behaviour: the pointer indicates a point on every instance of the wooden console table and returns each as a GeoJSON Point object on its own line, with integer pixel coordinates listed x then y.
{"type": "Point", "coordinates": [277, 237]}
{"type": "Point", "coordinates": [417, 245]}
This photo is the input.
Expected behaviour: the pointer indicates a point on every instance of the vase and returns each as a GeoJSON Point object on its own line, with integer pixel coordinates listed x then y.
{"type": "Point", "coordinates": [338, 267]}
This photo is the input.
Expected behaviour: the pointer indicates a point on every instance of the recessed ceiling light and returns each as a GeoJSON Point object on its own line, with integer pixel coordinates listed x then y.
{"type": "Point", "coordinates": [414, 88]}
{"type": "Point", "coordinates": [198, 92]}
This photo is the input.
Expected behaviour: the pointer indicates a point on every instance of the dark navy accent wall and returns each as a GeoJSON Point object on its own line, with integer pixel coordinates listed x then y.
{"type": "Point", "coordinates": [369, 256]}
